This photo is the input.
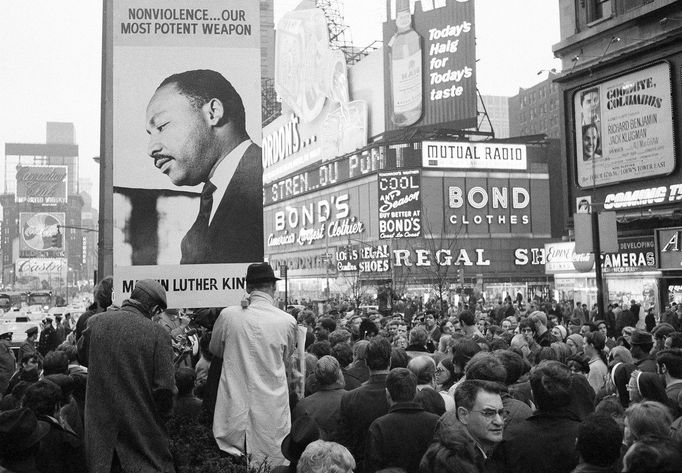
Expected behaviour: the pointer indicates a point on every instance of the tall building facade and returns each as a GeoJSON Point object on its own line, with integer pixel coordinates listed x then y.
{"type": "Point", "coordinates": [535, 110]}
{"type": "Point", "coordinates": [497, 109]}
{"type": "Point", "coordinates": [621, 92]}
{"type": "Point", "coordinates": [41, 205]}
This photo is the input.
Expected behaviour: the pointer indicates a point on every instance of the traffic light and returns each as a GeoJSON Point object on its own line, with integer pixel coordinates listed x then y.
{"type": "Point", "coordinates": [57, 240]}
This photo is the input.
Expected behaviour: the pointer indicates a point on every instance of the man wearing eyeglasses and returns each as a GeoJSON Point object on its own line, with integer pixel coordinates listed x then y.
{"type": "Point", "coordinates": [470, 440]}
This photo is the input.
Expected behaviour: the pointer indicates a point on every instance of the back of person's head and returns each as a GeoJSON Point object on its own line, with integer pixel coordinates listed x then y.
{"type": "Point", "coordinates": [675, 340]}
{"type": "Point", "coordinates": [486, 367]}
{"type": "Point", "coordinates": [184, 380]}
{"type": "Point", "coordinates": [545, 353]}
{"type": "Point", "coordinates": [550, 382]}
{"type": "Point", "coordinates": [320, 349]}
{"type": "Point", "coordinates": [610, 406]}
{"type": "Point", "coordinates": [71, 351]}
{"type": "Point", "coordinates": [467, 391]}
{"type": "Point", "coordinates": [670, 361]}
{"type": "Point", "coordinates": [339, 336]}
{"type": "Point", "coordinates": [418, 336]}
{"type": "Point", "coordinates": [328, 324]}
{"type": "Point", "coordinates": [368, 329]}
{"type": "Point", "coordinates": [43, 398]}
{"type": "Point", "coordinates": [467, 318]}
{"type": "Point", "coordinates": [306, 317]}
{"type": "Point", "coordinates": [621, 354]}
{"type": "Point", "coordinates": [401, 384]}
{"type": "Point", "coordinates": [399, 358]}
{"type": "Point", "coordinates": [538, 316]}
{"type": "Point", "coordinates": [343, 354]}
{"type": "Point", "coordinates": [463, 351]}
{"type": "Point", "coordinates": [653, 454]}
{"type": "Point", "coordinates": [651, 387]}
{"type": "Point", "coordinates": [202, 85]}
{"type": "Point", "coordinates": [326, 457]}
{"type": "Point", "coordinates": [360, 350]}
{"type": "Point", "coordinates": [149, 293]}
{"type": "Point", "coordinates": [55, 362]}
{"type": "Point", "coordinates": [648, 418]}
{"type": "Point", "coordinates": [423, 367]}
{"type": "Point", "coordinates": [561, 350]}
{"type": "Point", "coordinates": [378, 354]}
{"type": "Point", "coordinates": [599, 440]}
{"type": "Point", "coordinates": [328, 371]}
{"type": "Point", "coordinates": [513, 365]}
{"type": "Point", "coordinates": [103, 292]}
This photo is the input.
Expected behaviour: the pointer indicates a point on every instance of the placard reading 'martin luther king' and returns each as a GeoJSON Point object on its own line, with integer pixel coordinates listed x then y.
{"type": "Point", "coordinates": [186, 127]}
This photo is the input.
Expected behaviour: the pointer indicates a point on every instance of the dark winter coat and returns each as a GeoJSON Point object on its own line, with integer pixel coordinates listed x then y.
{"type": "Point", "coordinates": [399, 438]}
{"type": "Point", "coordinates": [544, 442]}
{"type": "Point", "coordinates": [130, 390]}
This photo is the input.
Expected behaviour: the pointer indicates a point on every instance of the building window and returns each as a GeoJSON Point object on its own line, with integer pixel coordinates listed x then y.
{"type": "Point", "coordinates": [597, 10]}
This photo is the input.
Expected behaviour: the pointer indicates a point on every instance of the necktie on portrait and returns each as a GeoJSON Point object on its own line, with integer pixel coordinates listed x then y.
{"type": "Point", "coordinates": [194, 243]}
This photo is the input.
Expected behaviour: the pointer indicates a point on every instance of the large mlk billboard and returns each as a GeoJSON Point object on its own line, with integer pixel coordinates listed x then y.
{"type": "Point", "coordinates": [429, 64]}
{"type": "Point", "coordinates": [186, 125]}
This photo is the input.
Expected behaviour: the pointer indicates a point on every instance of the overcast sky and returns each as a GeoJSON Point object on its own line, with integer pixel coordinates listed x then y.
{"type": "Point", "coordinates": [51, 59]}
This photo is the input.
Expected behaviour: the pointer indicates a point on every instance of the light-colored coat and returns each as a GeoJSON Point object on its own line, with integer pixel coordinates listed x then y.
{"type": "Point", "coordinates": [130, 368]}
{"type": "Point", "coordinates": [252, 406]}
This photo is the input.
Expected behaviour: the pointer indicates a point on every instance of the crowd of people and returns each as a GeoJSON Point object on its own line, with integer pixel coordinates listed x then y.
{"type": "Point", "coordinates": [423, 388]}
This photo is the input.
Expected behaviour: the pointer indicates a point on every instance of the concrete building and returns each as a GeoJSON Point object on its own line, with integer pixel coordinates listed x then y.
{"type": "Point", "coordinates": [535, 110]}
{"type": "Point", "coordinates": [497, 108]}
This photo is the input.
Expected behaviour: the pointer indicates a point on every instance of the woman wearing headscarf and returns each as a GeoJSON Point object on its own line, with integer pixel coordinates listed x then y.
{"type": "Point", "coordinates": [575, 343]}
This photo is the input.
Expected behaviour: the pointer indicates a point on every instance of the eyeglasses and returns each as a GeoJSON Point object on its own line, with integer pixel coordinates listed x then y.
{"type": "Point", "coordinates": [489, 414]}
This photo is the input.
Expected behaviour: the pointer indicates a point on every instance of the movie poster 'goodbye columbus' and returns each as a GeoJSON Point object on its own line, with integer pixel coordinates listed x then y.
{"type": "Point", "coordinates": [624, 128]}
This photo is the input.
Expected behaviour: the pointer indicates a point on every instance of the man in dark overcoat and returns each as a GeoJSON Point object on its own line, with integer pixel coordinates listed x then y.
{"type": "Point", "coordinates": [131, 385]}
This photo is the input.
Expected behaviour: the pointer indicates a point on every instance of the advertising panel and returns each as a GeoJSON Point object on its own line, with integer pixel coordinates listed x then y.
{"type": "Point", "coordinates": [463, 155]}
{"type": "Point", "coordinates": [400, 204]}
{"type": "Point", "coordinates": [319, 119]}
{"type": "Point", "coordinates": [429, 64]}
{"type": "Point", "coordinates": [316, 220]}
{"type": "Point", "coordinates": [194, 114]}
{"type": "Point", "coordinates": [624, 128]}
{"type": "Point", "coordinates": [363, 259]}
{"type": "Point", "coordinates": [45, 185]}
{"type": "Point", "coordinates": [669, 248]}
{"type": "Point", "coordinates": [497, 205]}
{"type": "Point", "coordinates": [634, 254]}
{"type": "Point", "coordinates": [40, 273]}
{"type": "Point", "coordinates": [39, 231]}
{"type": "Point", "coordinates": [562, 258]}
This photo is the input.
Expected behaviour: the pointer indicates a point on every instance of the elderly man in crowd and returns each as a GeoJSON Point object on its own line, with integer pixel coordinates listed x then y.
{"type": "Point", "coordinates": [470, 441]}
{"type": "Point", "coordinates": [130, 387]}
{"type": "Point", "coordinates": [641, 343]}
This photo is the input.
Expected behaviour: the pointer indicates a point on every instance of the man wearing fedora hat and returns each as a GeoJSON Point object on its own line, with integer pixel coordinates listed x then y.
{"type": "Point", "coordinates": [255, 341]}
{"type": "Point", "coordinates": [20, 432]}
{"type": "Point", "coordinates": [641, 343]}
{"type": "Point", "coordinates": [131, 384]}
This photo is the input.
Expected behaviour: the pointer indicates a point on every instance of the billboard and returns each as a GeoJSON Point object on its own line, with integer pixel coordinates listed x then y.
{"type": "Point", "coordinates": [186, 140]}
{"type": "Point", "coordinates": [38, 231]}
{"type": "Point", "coordinates": [320, 117]}
{"type": "Point", "coordinates": [624, 128]}
{"type": "Point", "coordinates": [472, 156]}
{"type": "Point", "coordinates": [400, 204]}
{"type": "Point", "coordinates": [634, 254]}
{"type": "Point", "coordinates": [561, 258]}
{"type": "Point", "coordinates": [429, 64]}
{"type": "Point", "coordinates": [41, 273]}
{"type": "Point", "coordinates": [669, 248]}
{"type": "Point", "coordinates": [45, 185]}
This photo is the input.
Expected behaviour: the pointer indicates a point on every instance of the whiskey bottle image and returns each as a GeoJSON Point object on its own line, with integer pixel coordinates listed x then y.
{"type": "Point", "coordinates": [405, 62]}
